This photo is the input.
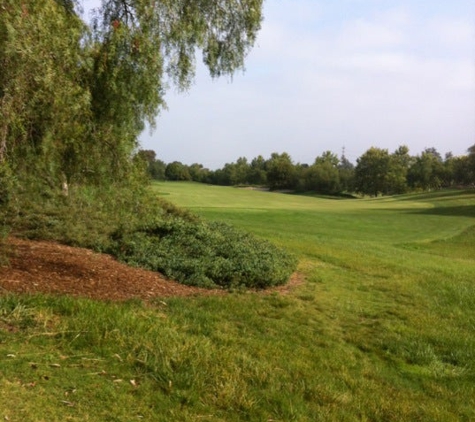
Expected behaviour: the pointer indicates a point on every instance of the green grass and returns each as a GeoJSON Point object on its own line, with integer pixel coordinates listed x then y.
{"type": "Point", "coordinates": [382, 330]}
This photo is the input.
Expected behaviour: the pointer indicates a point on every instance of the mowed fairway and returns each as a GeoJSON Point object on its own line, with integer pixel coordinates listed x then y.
{"type": "Point", "coordinates": [382, 329]}
{"type": "Point", "coordinates": [385, 324]}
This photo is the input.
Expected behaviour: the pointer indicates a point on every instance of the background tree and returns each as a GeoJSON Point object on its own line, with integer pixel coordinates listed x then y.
{"type": "Point", "coordinates": [378, 172]}
{"type": "Point", "coordinates": [346, 173]}
{"type": "Point", "coordinates": [461, 170]}
{"type": "Point", "coordinates": [301, 170]}
{"type": "Point", "coordinates": [323, 176]}
{"type": "Point", "coordinates": [372, 171]}
{"type": "Point", "coordinates": [241, 171]}
{"type": "Point", "coordinates": [157, 170]}
{"type": "Point", "coordinates": [329, 158]}
{"type": "Point", "coordinates": [471, 164]}
{"type": "Point", "coordinates": [427, 171]}
{"type": "Point", "coordinates": [147, 155]}
{"type": "Point", "coordinates": [177, 171]}
{"type": "Point", "coordinates": [281, 173]}
{"type": "Point", "coordinates": [227, 174]}
{"type": "Point", "coordinates": [257, 171]}
{"type": "Point", "coordinates": [199, 173]}
{"type": "Point", "coordinates": [399, 164]}
{"type": "Point", "coordinates": [448, 175]}
{"type": "Point", "coordinates": [215, 177]}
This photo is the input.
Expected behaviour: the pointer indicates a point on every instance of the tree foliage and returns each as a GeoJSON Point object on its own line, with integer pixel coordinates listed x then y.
{"type": "Point", "coordinates": [323, 176]}
{"type": "Point", "coordinates": [281, 172]}
{"type": "Point", "coordinates": [75, 95]}
{"type": "Point", "coordinates": [44, 103]}
{"type": "Point", "coordinates": [427, 172]}
{"type": "Point", "coordinates": [378, 172]}
{"type": "Point", "coordinates": [177, 171]}
{"type": "Point", "coordinates": [372, 172]}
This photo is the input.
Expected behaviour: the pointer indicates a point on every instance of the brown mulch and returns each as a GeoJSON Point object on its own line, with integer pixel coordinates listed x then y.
{"type": "Point", "coordinates": [49, 267]}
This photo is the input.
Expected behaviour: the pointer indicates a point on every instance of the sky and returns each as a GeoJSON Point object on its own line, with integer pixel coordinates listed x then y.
{"type": "Point", "coordinates": [327, 75]}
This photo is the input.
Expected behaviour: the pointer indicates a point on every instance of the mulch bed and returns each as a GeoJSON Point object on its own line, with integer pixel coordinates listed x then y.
{"type": "Point", "coordinates": [49, 267]}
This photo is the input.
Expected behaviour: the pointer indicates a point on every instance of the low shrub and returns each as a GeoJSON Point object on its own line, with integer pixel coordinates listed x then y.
{"type": "Point", "coordinates": [145, 231]}
{"type": "Point", "coordinates": [205, 254]}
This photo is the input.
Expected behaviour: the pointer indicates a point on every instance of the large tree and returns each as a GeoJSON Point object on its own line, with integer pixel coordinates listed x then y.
{"type": "Point", "coordinates": [75, 95]}
{"type": "Point", "coordinates": [44, 101]}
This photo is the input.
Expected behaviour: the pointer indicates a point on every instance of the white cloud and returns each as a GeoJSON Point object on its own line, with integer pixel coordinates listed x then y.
{"type": "Point", "coordinates": [450, 33]}
{"type": "Point", "coordinates": [321, 79]}
{"type": "Point", "coordinates": [364, 34]}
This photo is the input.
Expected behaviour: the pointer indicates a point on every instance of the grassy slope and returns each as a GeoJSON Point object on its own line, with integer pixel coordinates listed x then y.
{"type": "Point", "coordinates": [383, 330]}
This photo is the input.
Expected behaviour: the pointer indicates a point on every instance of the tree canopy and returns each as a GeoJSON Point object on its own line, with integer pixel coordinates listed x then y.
{"type": "Point", "coordinates": [75, 95]}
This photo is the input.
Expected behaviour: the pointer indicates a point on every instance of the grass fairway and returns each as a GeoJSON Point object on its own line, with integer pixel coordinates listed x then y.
{"type": "Point", "coordinates": [382, 330]}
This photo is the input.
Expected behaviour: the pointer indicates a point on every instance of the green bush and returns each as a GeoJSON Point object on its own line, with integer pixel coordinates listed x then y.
{"type": "Point", "coordinates": [206, 254]}
{"type": "Point", "coordinates": [145, 231]}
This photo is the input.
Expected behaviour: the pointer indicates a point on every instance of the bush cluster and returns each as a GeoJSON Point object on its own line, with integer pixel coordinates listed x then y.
{"type": "Point", "coordinates": [206, 254]}
{"type": "Point", "coordinates": [149, 232]}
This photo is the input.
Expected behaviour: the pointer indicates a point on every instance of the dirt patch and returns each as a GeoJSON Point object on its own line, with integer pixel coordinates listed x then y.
{"type": "Point", "coordinates": [49, 267]}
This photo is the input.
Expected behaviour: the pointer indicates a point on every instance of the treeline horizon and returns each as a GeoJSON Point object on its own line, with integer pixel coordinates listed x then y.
{"type": "Point", "coordinates": [376, 172]}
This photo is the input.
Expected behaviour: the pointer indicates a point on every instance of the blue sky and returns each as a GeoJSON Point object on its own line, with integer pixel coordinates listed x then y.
{"type": "Point", "coordinates": [331, 74]}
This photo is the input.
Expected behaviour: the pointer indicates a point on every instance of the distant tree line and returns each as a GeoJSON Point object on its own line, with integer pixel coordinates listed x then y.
{"type": "Point", "coordinates": [376, 172]}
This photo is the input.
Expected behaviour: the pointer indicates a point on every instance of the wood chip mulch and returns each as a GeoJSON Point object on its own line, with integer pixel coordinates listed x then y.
{"type": "Point", "coordinates": [49, 267]}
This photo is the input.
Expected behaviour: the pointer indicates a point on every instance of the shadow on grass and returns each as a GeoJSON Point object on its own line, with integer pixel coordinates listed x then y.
{"type": "Point", "coordinates": [339, 196]}
{"type": "Point", "coordinates": [442, 194]}
{"type": "Point", "coordinates": [457, 211]}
